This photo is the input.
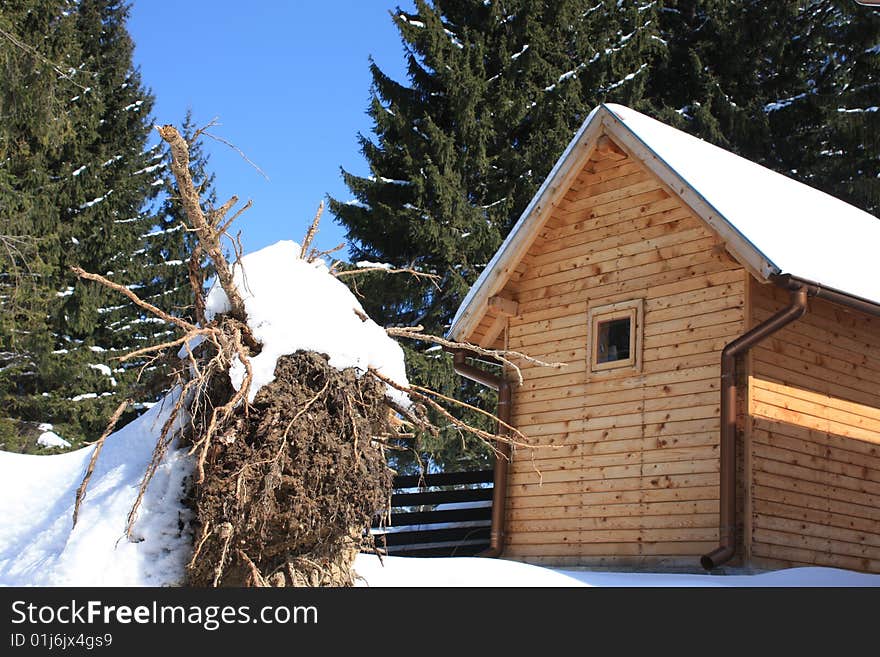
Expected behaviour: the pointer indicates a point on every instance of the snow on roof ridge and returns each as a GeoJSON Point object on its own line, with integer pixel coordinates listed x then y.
{"type": "Point", "coordinates": [798, 229]}
{"type": "Point", "coordinates": [769, 217]}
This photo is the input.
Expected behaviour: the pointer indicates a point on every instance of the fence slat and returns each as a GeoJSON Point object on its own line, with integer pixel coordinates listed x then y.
{"type": "Point", "coordinates": [435, 536]}
{"type": "Point", "coordinates": [444, 479]}
{"type": "Point", "coordinates": [432, 517]}
{"type": "Point", "coordinates": [441, 497]}
{"type": "Point", "coordinates": [410, 532]}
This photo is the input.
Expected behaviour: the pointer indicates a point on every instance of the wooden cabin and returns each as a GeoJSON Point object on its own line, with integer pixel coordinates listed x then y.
{"type": "Point", "coordinates": [643, 256]}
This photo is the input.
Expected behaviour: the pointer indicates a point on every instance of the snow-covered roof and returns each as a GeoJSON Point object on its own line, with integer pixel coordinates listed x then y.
{"type": "Point", "coordinates": [769, 222]}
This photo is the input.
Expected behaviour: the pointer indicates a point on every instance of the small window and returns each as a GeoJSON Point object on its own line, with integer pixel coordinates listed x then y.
{"type": "Point", "coordinates": [615, 336]}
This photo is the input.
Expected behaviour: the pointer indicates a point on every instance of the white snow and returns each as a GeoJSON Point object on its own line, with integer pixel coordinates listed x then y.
{"type": "Point", "coordinates": [80, 170]}
{"type": "Point", "coordinates": [103, 369]}
{"type": "Point", "coordinates": [800, 230]}
{"type": "Point", "coordinates": [293, 304]}
{"type": "Point", "coordinates": [480, 572]}
{"type": "Point", "coordinates": [392, 181]}
{"type": "Point", "coordinates": [48, 437]}
{"type": "Point", "coordinates": [403, 18]}
{"type": "Point", "coordinates": [149, 169]}
{"type": "Point", "coordinates": [520, 53]}
{"type": "Point", "coordinates": [626, 78]}
{"type": "Point", "coordinates": [95, 201]}
{"type": "Point", "coordinates": [782, 103]}
{"type": "Point", "coordinates": [366, 264]}
{"type": "Point", "coordinates": [106, 371]}
{"type": "Point", "coordinates": [51, 439]}
{"type": "Point", "coordinates": [39, 546]}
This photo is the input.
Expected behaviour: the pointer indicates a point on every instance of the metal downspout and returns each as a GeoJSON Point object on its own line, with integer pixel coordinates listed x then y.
{"type": "Point", "coordinates": [502, 459]}
{"type": "Point", "coordinates": [727, 514]}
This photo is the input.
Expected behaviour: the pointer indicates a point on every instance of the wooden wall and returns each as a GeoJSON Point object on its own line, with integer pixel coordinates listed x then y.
{"type": "Point", "coordinates": [814, 438]}
{"type": "Point", "coordinates": [627, 466]}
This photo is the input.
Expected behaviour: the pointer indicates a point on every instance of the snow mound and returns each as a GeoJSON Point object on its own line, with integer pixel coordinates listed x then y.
{"type": "Point", "coordinates": [49, 438]}
{"type": "Point", "coordinates": [40, 547]}
{"type": "Point", "coordinates": [292, 304]}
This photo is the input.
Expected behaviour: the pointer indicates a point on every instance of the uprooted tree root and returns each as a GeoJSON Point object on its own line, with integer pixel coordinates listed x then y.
{"type": "Point", "coordinates": [288, 498]}
{"type": "Point", "coordinates": [286, 487]}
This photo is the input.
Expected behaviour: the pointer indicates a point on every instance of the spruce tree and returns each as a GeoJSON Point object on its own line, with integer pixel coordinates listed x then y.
{"type": "Point", "coordinates": [495, 92]}
{"type": "Point", "coordinates": [39, 55]}
{"type": "Point", "coordinates": [93, 184]}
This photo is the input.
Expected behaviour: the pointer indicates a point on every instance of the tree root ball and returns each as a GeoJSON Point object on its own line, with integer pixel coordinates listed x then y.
{"type": "Point", "coordinates": [292, 484]}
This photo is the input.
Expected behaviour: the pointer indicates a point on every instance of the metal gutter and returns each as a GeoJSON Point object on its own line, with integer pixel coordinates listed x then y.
{"type": "Point", "coordinates": [502, 458]}
{"type": "Point", "coordinates": [727, 494]}
{"type": "Point", "coordinates": [789, 282]}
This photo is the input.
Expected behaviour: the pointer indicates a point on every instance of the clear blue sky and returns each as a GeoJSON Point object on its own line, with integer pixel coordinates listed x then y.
{"type": "Point", "coordinates": [289, 83]}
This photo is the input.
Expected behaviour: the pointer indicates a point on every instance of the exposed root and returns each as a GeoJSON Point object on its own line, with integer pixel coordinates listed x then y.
{"type": "Point", "coordinates": [505, 356]}
{"type": "Point", "coordinates": [434, 278]}
{"type": "Point", "coordinates": [488, 438]}
{"type": "Point", "coordinates": [150, 308]}
{"type": "Point", "coordinates": [256, 576]}
{"type": "Point", "coordinates": [299, 485]}
{"type": "Point", "coordinates": [99, 445]}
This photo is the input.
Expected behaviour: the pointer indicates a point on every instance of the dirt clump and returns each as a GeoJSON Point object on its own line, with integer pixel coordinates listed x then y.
{"type": "Point", "coordinates": [293, 481]}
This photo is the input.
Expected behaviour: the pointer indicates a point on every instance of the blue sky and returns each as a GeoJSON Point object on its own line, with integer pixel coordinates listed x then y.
{"type": "Point", "coordinates": [289, 83]}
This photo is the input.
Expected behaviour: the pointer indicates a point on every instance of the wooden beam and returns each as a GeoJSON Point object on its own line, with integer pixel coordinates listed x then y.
{"type": "Point", "coordinates": [504, 306]}
{"type": "Point", "coordinates": [494, 331]}
{"type": "Point", "coordinates": [607, 147]}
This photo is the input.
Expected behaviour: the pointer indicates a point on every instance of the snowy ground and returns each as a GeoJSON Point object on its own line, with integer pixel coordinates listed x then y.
{"type": "Point", "coordinates": [478, 572]}
{"type": "Point", "coordinates": [39, 545]}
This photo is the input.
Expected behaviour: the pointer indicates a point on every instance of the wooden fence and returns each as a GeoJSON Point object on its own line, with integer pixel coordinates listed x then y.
{"type": "Point", "coordinates": [437, 515]}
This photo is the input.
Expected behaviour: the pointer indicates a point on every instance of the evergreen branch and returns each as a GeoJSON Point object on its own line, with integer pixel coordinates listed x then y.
{"type": "Point", "coordinates": [18, 43]}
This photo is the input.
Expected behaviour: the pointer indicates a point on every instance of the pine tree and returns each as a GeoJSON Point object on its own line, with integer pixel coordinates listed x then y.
{"type": "Point", "coordinates": [789, 85]}
{"type": "Point", "coordinates": [495, 92]}
{"type": "Point", "coordinates": [38, 55]}
{"type": "Point", "coordinates": [87, 193]}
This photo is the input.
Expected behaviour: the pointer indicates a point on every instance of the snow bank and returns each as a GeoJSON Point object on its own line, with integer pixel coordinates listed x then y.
{"type": "Point", "coordinates": [39, 546]}
{"type": "Point", "coordinates": [293, 304]}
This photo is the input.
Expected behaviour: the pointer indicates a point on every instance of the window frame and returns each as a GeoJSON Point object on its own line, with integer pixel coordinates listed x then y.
{"type": "Point", "coordinates": [632, 310]}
